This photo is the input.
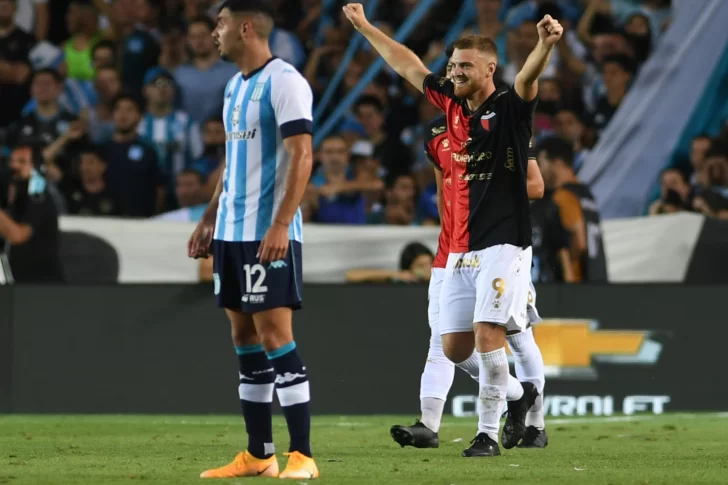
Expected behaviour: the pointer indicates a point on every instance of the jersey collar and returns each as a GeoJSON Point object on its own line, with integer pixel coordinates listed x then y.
{"type": "Point", "coordinates": [257, 70]}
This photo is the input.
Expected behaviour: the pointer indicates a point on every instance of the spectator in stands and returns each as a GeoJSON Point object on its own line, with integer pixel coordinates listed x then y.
{"type": "Point", "coordinates": [33, 17]}
{"type": "Point", "coordinates": [415, 266]}
{"type": "Point", "coordinates": [82, 21]}
{"type": "Point", "coordinates": [213, 153]}
{"type": "Point", "coordinates": [75, 96]}
{"type": "Point", "coordinates": [103, 54]}
{"type": "Point", "coordinates": [489, 24]}
{"type": "Point", "coordinates": [393, 154]}
{"type": "Point", "coordinates": [107, 86]}
{"type": "Point", "coordinates": [191, 197]}
{"type": "Point", "coordinates": [549, 101]}
{"type": "Point", "coordinates": [203, 80]}
{"type": "Point", "coordinates": [569, 125]}
{"type": "Point", "coordinates": [675, 193]}
{"type": "Point", "coordinates": [133, 174]}
{"type": "Point", "coordinates": [173, 52]}
{"type": "Point", "coordinates": [337, 194]}
{"type": "Point", "coordinates": [617, 72]}
{"type": "Point", "coordinates": [90, 195]}
{"type": "Point", "coordinates": [58, 156]}
{"type": "Point", "coordinates": [368, 172]}
{"type": "Point", "coordinates": [698, 148]}
{"type": "Point", "coordinates": [46, 120]}
{"type": "Point", "coordinates": [174, 134]}
{"type": "Point", "coordinates": [15, 71]}
{"type": "Point", "coordinates": [712, 182]}
{"type": "Point", "coordinates": [140, 50]}
{"type": "Point", "coordinates": [285, 45]}
{"type": "Point", "coordinates": [639, 33]}
{"type": "Point", "coordinates": [400, 205]}
{"type": "Point", "coordinates": [30, 225]}
{"type": "Point", "coordinates": [526, 38]}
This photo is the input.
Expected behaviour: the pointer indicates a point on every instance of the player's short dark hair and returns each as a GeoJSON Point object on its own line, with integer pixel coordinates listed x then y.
{"type": "Point", "coordinates": [128, 97]}
{"type": "Point", "coordinates": [51, 72]}
{"type": "Point", "coordinates": [702, 136]}
{"type": "Point", "coordinates": [557, 148]}
{"type": "Point", "coordinates": [248, 6]}
{"type": "Point", "coordinates": [202, 19]}
{"type": "Point", "coordinates": [411, 252]}
{"type": "Point", "coordinates": [194, 172]}
{"type": "Point", "coordinates": [477, 42]}
{"type": "Point", "coordinates": [368, 100]}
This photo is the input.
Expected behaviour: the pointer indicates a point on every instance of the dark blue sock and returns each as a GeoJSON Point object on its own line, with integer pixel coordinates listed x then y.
{"type": "Point", "coordinates": [257, 379]}
{"type": "Point", "coordinates": [294, 396]}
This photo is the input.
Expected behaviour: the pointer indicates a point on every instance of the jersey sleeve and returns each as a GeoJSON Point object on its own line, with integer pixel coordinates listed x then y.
{"type": "Point", "coordinates": [431, 156]}
{"type": "Point", "coordinates": [523, 110]}
{"type": "Point", "coordinates": [292, 100]}
{"type": "Point", "coordinates": [531, 151]}
{"type": "Point", "coordinates": [438, 90]}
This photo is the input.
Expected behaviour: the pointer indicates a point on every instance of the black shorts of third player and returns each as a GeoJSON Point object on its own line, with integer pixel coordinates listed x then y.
{"type": "Point", "coordinates": [243, 283]}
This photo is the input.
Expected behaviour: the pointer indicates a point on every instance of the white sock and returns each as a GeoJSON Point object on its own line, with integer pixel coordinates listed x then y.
{"type": "Point", "coordinates": [471, 366]}
{"type": "Point", "coordinates": [432, 409]}
{"type": "Point", "coordinates": [515, 389]}
{"type": "Point", "coordinates": [529, 368]}
{"type": "Point", "coordinates": [435, 383]}
{"type": "Point", "coordinates": [493, 387]}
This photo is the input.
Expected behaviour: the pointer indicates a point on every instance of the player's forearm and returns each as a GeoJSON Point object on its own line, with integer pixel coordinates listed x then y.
{"type": "Point", "coordinates": [296, 182]}
{"type": "Point", "coordinates": [534, 182]}
{"type": "Point", "coordinates": [567, 269]}
{"type": "Point", "coordinates": [536, 63]}
{"type": "Point", "coordinates": [211, 211]}
{"type": "Point", "coordinates": [400, 58]}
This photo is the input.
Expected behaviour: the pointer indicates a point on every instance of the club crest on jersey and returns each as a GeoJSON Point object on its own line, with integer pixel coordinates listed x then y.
{"type": "Point", "coordinates": [257, 92]}
{"type": "Point", "coordinates": [485, 120]}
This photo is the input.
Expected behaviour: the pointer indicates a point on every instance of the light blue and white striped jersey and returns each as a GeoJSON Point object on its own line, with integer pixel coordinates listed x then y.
{"type": "Point", "coordinates": [260, 110]}
{"type": "Point", "coordinates": [177, 139]}
{"type": "Point", "coordinates": [75, 97]}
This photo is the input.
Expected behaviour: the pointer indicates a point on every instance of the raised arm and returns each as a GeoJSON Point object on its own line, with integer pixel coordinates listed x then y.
{"type": "Point", "coordinates": [399, 57]}
{"type": "Point", "coordinates": [526, 83]}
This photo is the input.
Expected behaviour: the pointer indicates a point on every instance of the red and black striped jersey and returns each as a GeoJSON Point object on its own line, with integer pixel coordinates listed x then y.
{"type": "Point", "coordinates": [437, 149]}
{"type": "Point", "coordinates": [489, 163]}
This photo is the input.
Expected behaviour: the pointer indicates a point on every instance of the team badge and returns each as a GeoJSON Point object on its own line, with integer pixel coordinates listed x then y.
{"type": "Point", "coordinates": [485, 120]}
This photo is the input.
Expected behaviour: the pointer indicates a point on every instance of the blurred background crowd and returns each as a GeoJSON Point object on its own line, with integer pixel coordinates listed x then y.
{"type": "Point", "coordinates": [113, 107]}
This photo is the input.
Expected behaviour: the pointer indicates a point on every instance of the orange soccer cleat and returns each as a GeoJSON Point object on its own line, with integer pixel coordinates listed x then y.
{"type": "Point", "coordinates": [300, 467]}
{"type": "Point", "coordinates": [246, 465]}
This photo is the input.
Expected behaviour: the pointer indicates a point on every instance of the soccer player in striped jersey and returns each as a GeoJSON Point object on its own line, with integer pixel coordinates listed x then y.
{"type": "Point", "coordinates": [254, 228]}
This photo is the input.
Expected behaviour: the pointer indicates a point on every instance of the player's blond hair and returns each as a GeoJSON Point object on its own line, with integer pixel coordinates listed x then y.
{"type": "Point", "coordinates": [477, 42]}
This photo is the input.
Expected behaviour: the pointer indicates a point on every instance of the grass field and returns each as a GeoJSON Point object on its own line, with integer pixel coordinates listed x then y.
{"type": "Point", "coordinates": [173, 450]}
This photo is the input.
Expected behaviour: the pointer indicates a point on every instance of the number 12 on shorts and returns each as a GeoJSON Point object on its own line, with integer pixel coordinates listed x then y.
{"type": "Point", "coordinates": [257, 272]}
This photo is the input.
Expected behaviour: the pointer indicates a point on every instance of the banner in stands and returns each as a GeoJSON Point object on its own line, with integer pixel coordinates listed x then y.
{"type": "Point", "coordinates": [654, 249]}
{"type": "Point", "coordinates": [166, 349]}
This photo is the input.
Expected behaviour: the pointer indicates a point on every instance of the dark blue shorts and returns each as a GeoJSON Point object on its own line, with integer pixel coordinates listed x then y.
{"type": "Point", "coordinates": [243, 283]}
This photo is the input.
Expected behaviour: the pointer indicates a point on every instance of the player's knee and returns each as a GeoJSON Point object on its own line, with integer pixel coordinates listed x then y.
{"type": "Point", "coordinates": [489, 336]}
{"type": "Point", "coordinates": [458, 347]}
{"type": "Point", "coordinates": [242, 329]}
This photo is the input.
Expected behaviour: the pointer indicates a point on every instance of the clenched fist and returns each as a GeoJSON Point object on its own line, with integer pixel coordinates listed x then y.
{"type": "Point", "coordinates": [549, 30]}
{"type": "Point", "coordinates": [355, 13]}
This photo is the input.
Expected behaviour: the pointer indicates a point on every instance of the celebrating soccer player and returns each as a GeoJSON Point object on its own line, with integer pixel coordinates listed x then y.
{"type": "Point", "coordinates": [254, 228]}
{"type": "Point", "coordinates": [439, 371]}
{"type": "Point", "coordinates": [489, 264]}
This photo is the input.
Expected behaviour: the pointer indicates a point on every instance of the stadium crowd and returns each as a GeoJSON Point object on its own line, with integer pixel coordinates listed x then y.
{"type": "Point", "coordinates": [115, 105]}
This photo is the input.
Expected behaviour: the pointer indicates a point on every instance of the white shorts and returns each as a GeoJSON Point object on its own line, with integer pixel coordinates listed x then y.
{"type": "Point", "coordinates": [490, 285]}
{"type": "Point", "coordinates": [433, 297]}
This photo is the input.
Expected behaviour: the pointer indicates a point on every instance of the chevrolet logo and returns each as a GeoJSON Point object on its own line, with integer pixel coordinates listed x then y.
{"type": "Point", "coordinates": [571, 347]}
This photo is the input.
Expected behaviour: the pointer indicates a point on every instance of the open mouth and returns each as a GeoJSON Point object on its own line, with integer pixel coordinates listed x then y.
{"type": "Point", "coordinates": [460, 82]}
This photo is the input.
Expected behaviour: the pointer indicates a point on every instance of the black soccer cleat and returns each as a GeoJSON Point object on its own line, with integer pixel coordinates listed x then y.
{"type": "Point", "coordinates": [482, 445]}
{"type": "Point", "coordinates": [515, 427]}
{"type": "Point", "coordinates": [417, 435]}
{"type": "Point", "coordinates": [534, 438]}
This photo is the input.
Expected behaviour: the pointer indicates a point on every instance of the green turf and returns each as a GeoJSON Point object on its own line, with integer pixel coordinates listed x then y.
{"type": "Point", "coordinates": [173, 450]}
